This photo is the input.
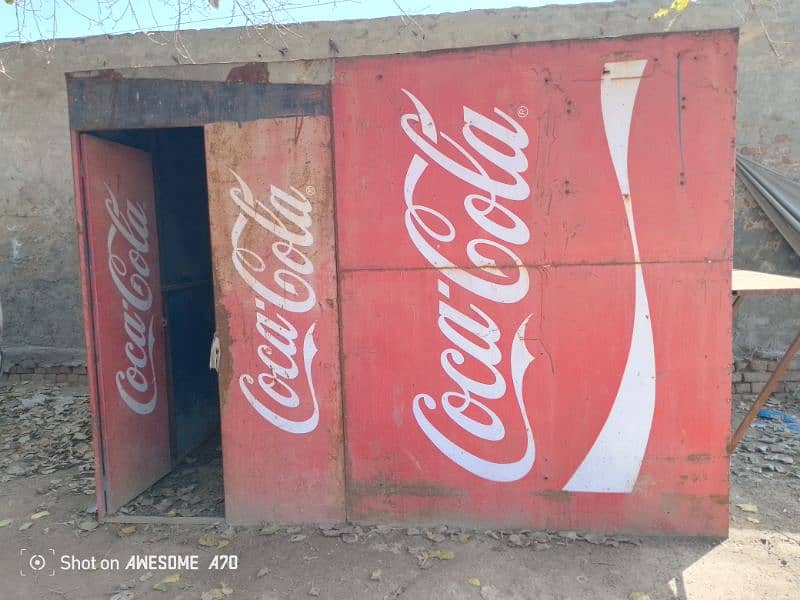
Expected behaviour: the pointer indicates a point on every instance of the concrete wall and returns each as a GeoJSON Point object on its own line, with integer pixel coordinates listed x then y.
{"type": "Point", "coordinates": [39, 283]}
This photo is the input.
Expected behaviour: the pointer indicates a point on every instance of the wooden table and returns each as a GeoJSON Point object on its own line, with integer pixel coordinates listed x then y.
{"type": "Point", "coordinates": [753, 283]}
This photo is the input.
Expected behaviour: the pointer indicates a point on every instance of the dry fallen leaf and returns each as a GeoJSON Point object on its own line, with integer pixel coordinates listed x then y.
{"type": "Point", "coordinates": [5, 522]}
{"type": "Point", "coordinates": [434, 537]}
{"type": "Point", "coordinates": [128, 530]}
{"type": "Point", "coordinates": [161, 586]}
{"type": "Point", "coordinates": [40, 515]}
{"type": "Point", "coordinates": [442, 554]}
{"type": "Point", "coordinates": [474, 581]}
{"type": "Point", "coordinates": [88, 525]}
{"type": "Point", "coordinates": [210, 541]}
{"type": "Point", "coordinates": [217, 593]}
{"type": "Point", "coordinates": [753, 520]}
{"type": "Point", "coordinates": [745, 507]}
{"type": "Point", "coordinates": [269, 529]}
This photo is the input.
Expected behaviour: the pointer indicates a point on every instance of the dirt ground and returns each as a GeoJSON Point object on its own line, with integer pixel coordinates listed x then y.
{"type": "Point", "coordinates": [46, 498]}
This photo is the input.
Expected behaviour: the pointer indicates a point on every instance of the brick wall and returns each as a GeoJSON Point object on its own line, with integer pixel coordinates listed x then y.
{"type": "Point", "coordinates": [29, 370]}
{"type": "Point", "coordinates": [751, 375]}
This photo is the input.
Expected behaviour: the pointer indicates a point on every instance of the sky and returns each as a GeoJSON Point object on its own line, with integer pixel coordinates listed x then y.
{"type": "Point", "coordinates": [78, 18]}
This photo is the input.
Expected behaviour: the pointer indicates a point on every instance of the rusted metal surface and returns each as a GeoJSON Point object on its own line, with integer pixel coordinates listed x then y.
{"type": "Point", "coordinates": [124, 318]}
{"type": "Point", "coordinates": [88, 323]}
{"type": "Point", "coordinates": [249, 73]}
{"type": "Point", "coordinates": [111, 103]}
{"type": "Point", "coordinates": [535, 258]}
{"type": "Point", "coordinates": [272, 231]}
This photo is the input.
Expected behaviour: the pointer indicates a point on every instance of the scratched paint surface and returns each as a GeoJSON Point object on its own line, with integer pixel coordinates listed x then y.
{"type": "Point", "coordinates": [541, 238]}
{"type": "Point", "coordinates": [271, 208]}
{"type": "Point", "coordinates": [131, 402]}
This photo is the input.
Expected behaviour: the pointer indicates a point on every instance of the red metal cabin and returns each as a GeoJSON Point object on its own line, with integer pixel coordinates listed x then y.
{"type": "Point", "coordinates": [483, 286]}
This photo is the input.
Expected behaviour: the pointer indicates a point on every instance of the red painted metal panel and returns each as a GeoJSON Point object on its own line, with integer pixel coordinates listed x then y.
{"type": "Point", "coordinates": [124, 319]}
{"type": "Point", "coordinates": [680, 147]}
{"type": "Point", "coordinates": [541, 238]}
{"type": "Point", "coordinates": [88, 322]}
{"type": "Point", "coordinates": [272, 232]}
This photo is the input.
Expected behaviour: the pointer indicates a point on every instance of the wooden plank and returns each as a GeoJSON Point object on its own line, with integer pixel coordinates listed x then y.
{"type": "Point", "coordinates": [131, 406]}
{"type": "Point", "coordinates": [271, 206]}
{"type": "Point", "coordinates": [755, 282]}
{"type": "Point", "coordinates": [535, 254]}
{"type": "Point", "coordinates": [160, 520]}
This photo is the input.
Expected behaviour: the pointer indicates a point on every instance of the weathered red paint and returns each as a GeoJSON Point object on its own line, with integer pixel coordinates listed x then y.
{"type": "Point", "coordinates": [88, 322]}
{"type": "Point", "coordinates": [618, 343]}
{"type": "Point", "coordinates": [534, 251]}
{"type": "Point", "coordinates": [271, 206]}
{"type": "Point", "coordinates": [124, 319]}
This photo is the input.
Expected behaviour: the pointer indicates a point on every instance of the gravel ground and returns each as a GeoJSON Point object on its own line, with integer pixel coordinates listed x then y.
{"type": "Point", "coordinates": [47, 497]}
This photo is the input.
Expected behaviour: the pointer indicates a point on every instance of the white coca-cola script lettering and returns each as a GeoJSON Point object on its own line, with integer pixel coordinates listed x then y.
{"type": "Point", "coordinates": [613, 462]}
{"type": "Point", "coordinates": [491, 208]}
{"type": "Point", "coordinates": [288, 218]}
{"type": "Point", "coordinates": [128, 249]}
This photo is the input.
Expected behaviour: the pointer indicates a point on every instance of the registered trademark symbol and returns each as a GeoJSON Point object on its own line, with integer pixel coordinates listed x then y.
{"type": "Point", "coordinates": [522, 111]}
{"type": "Point", "coordinates": [310, 190]}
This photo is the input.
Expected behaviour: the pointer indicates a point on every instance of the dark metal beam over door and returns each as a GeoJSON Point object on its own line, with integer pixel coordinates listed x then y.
{"type": "Point", "coordinates": [110, 102]}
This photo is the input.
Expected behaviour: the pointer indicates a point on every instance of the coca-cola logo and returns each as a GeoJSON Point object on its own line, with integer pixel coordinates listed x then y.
{"type": "Point", "coordinates": [491, 159]}
{"type": "Point", "coordinates": [429, 229]}
{"type": "Point", "coordinates": [286, 217]}
{"type": "Point", "coordinates": [129, 266]}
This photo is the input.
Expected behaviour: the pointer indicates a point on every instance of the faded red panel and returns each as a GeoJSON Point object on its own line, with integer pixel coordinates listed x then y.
{"type": "Point", "coordinates": [271, 204]}
{"type": "Point", "coordinates": [535, 251]}
{"type": "Point", "coordinates": [123, 289]}
{"type": "Point", "coordinates": [680, 152]}
{"type": "Point", "coordinates": [579, 334]}
{"type": "Point", "coordinates": [88, 321]}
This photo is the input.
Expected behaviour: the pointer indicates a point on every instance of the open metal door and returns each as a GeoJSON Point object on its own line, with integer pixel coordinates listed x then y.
{"type": "Point", "coordinates": [270, 185]}
{"type": "Point", "coordinates": [270, 189]}
{"type": "Point", "coordinates": [124, 318]}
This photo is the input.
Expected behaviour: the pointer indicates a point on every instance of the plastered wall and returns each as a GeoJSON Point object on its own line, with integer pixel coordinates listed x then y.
{"type": "Point", "coordinates": [39, 284]}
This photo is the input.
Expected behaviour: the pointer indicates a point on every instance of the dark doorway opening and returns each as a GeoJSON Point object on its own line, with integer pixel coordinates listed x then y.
{"type": "Point", "coordinates": [194, 487]}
